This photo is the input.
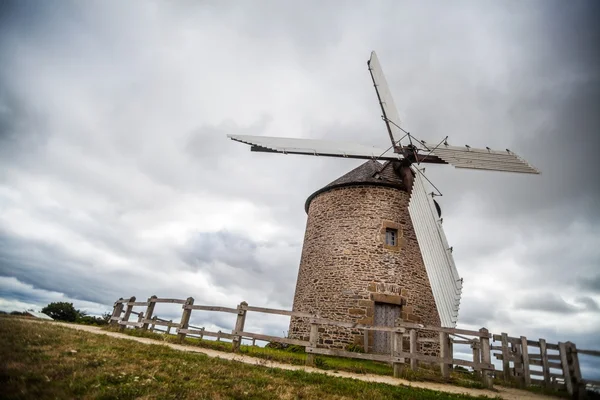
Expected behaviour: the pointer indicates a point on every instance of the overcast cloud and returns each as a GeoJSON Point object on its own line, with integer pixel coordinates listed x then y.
{"type": "Point", "coordinates": [116, 178]}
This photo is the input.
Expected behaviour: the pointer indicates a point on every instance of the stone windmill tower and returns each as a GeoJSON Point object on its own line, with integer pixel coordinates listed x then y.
{"type": "Point", "coordinates": [374, 249]}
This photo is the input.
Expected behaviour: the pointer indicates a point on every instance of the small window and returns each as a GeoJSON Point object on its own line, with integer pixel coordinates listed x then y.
{"type": "Point", "coordinates": [391, 237]}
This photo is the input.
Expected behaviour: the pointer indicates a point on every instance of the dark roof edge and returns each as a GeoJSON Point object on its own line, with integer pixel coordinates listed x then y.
{"type": "Point", "coordinates": [328, 188]}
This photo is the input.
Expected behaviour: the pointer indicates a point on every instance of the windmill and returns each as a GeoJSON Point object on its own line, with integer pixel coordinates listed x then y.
{"type": "Point", "coordinates": [404, 157]}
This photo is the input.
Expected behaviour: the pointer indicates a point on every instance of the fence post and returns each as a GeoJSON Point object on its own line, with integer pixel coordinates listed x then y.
{"type": "Point", "coordinates": [486, 357]}
{"type": "Point", "coordinates": [525, 356]}
{"type": "Point", "coordinates": [444, 350]}
{"type": "Point", "coordinates": [202, 333]}
{"type": "Point", "coordinates": [313, 341]}
{"type": "Point", "coordinates": [414, 363]}
{"type": "Point", "coordinates": [562, 348]}
{"type": "Point", "coordinates": [127, 312]}
{"type": "Point", "coordinates": [475, 345]}
{"type": "Point", "coordinates": [451, 351]}
{"type": "Point", "coordinates": [153, 324]}
{"type": "Point", "coordinates": [505, 357]}
{"type": "Point", "coordinates": [117, 310]}
{"type": "Point", "coordinates": [169, 327]}
{"type": "Point", "coordinates": [149, 311]}
{"type": "Point", "coordinates": [239, 327]}
{"type": "Point", "coordinates": [579, 390]}
{"type": "Point", "coordinates": [517, 361]}
{"type": "Point", "coordinates": [185, 318]}
{"type": "Point", "coordinates": [544, 356]}
{"type": "Point", "coordinates": [140, 318]}
{"type": "Point", "coordinates": [219, 336]}
{"type": "Point", "coordinates": [396, 349]}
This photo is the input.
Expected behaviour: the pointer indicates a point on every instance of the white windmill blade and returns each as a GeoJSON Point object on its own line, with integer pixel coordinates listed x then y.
{"type": "Point", "coordinates": [487, 159]}
{"type": "Point", "coordinates": [386, 101]}
{"type": "Point", "coordinates": [315, 147]}
{"type": "Point", "coordinates": [437, 255]}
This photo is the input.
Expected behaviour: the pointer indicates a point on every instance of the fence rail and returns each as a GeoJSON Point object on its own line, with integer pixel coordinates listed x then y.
{"type": "Point", "coordinates": [514, 352]}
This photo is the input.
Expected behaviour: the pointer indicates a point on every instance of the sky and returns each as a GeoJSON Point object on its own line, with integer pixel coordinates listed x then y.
{"type": "Point", "coordinates": [117, 179]}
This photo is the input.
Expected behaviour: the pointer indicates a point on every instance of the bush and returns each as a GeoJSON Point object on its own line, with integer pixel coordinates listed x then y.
{"type": "Point", "coordinates": [294, 348]}
{"type": "Point", "coordinates": [276, 345]}
{"type": "Point", "coordinates": [355, 348]}
{"type": "Point", "coordinates": [62, 311]}
{"type": "Point", "coordinates": [89, 320]}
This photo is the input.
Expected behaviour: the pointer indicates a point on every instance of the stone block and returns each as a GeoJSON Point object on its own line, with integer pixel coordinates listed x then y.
{"type": "Point", "coordinates": [356, 311]}
{"type": "Point", "coordinates": [386, 298]}
{"type": "Point", "coordinates": [365, 303]}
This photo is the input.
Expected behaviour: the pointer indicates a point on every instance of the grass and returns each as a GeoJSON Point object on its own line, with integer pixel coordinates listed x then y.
{"type": "Point", "coordinates": [298, 357]}
{"type": "Point", "coordinates": [43, 361]}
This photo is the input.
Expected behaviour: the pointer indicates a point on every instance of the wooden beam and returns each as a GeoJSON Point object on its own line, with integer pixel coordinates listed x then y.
{"type": "Point", "coordinates": [414, 363]}
{"type": "Point", "coordinates": [299, 314]}
{"type": "Point", "coordinates": [397, 348]}
{"type": "Point", "coordinates": [565, 367]}
{"type": "Point", "coordinates": [350, 354]}
{"type": "Point", "coordinates": [269, 338]}
{"type": "Point", "coordinates": [173, 301]}
{"type": "Point", "coordinates": [149, 312]}
{"type": "Point", "coordinates": [239, 326]}
{"type": "Point", "coordinates": [127, 313]}
{"type": "Point", "coordinates": [444, 352]}
{"type": "Point", "coordinates": [476, 347]}
{"type": "Point", "coordinates": [203, 332]}
{"type": "Point", "coordinates": [212, 308]}
{"type": "Point", "coordinates": [588, 352]}
{"type": "Point", "coordinates": [313, 340]}
{"type": "Point", "coordinates": [486, 357]}
{"type": "Point", "coordinates": [505, 357]}
{"type": "Point", "coordinates": [525, 356]}
{"type": "Point", "coordinates": [185, 319]}
{"type": "Point", "coordinates": [544, 358]}
{"type": "Point", "coordinates": [160, 323]}
{"type": "Point", "coordinates": [117, 311]}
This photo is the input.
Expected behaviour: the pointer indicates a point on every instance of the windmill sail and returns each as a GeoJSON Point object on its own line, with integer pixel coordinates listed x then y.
{"type": "Point", "coordinates": [386, 101]}
{"type": "Point", "coordinates": [487, 159]}
{"type": "Point", "coordinates": [314, 147]}
{"type": "Point", "coordinates": [437, 257]}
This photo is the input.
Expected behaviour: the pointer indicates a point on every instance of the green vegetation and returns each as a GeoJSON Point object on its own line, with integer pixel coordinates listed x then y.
{"type": "Point", "coordinates": [295, 355]}
{"type": "Point", "coordinates": [42, 360]}
{"type": "Point", "coordinates": [62, 311]}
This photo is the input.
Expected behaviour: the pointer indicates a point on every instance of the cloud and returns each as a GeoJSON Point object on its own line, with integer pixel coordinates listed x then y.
{"type": "Point", "coordinates": [548, 302]}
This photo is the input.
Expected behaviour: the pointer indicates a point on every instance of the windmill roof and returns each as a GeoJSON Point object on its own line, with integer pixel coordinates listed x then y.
{"type": "Point", "coordinates": [370, 173]}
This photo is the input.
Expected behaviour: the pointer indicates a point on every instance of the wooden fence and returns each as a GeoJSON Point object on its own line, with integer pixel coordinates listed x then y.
{"type": "Point", "coordinates": [547, 365]}
{"type": "Point", "coordinates": [558, 363]}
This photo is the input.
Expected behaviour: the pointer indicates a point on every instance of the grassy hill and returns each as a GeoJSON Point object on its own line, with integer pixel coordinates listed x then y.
{"type": "Point", "coordinates": [40, 360]}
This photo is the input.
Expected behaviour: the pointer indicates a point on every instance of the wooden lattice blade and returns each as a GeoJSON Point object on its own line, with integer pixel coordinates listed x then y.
{"type": "Point", "coordinates": [486, 159]}
{"type": "Point", "coordinates": [445, 282]}
{"type": "Point", "coordinates": [386, 101]}
{"type": "Point", "coordinates": [314, 147]}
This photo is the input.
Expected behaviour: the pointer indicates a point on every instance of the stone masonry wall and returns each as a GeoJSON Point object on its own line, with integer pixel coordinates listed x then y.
{"type": "Point", "coordinates": [346, 266]}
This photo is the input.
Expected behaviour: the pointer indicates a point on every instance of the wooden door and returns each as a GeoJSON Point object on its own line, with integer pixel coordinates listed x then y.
{"type": "Point", "coordinates": [385, 315]}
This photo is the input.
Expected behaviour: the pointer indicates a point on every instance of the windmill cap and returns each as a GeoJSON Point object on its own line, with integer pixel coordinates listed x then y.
{"type": "Point", "coordinates": [371, 173]}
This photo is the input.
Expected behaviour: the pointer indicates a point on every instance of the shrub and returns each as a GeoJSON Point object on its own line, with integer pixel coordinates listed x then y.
{"type": "Point", "coordinates": [18, 313]}
{"type": "Point", "coordinates": [62, 311]}
{"type": "Point", "coordinates": [89, 320]}
{"type": "Point", "coordinates": [355, 348]}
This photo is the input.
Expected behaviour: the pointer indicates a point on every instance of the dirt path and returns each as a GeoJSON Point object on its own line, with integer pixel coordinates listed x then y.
{"type": "Point", "coordinates": [505, 393]}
